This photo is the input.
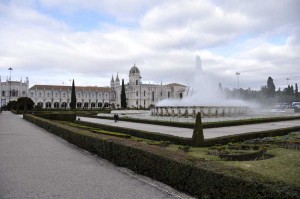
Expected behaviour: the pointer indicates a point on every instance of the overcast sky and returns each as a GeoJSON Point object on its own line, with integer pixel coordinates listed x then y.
{"type": "Point", "coordinates": [53, 41]}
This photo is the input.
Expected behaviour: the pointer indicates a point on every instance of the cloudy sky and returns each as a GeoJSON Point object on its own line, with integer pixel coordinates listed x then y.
{"type": "Point", "coordinates": [53, 41]}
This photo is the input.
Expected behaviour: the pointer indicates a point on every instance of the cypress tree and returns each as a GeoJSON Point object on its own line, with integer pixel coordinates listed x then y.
{"type": "Point", "coordinates": [271, 87]}
{"type": "Point", "coordinates": [198, 137]}
{"type": "Point", "coordinates": [73, 97]}
{"type": "Point", "coordinates": [296, 91]}
{"type": "Point", "coordinates": [123, 96]}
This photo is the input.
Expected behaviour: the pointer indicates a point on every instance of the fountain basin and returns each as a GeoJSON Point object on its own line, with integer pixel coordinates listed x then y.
{"type": "Point", "coordinates": [206, 111]}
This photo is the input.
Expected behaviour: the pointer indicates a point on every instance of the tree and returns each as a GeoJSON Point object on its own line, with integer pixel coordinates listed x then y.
{"type": "Point", "coordinates": [270, 87]}
{"type": "Point", "coordinates": [123, 96]}
{"type": "Point", "coordinates": [296, 91]}
{"type": "Point", "coordinates": [25, 103]}
{"type": "Point", "coordinates": [73, 97]}
{"type": "Point", "coordinates": [198, 137]}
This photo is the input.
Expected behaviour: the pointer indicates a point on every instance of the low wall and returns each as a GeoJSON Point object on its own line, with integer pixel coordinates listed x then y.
{"type": "Point", "coordinates": [206, 111]}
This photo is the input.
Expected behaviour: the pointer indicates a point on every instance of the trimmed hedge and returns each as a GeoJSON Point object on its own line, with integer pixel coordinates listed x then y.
{"type": "Point", "coordinates": [205, 125]}
{"type": "Point", "coordinates": [203, 180]}
{"type": "Point", "coordinates": [139, 133]}
{"type": "Point", "coordinates": [58, 116]}
{"type": "Point", "coordinates": [244, 156]}
{"type": "Point", "coordinates": [248, 136]}
{"type": "Point", "coordinates": [188, 141]}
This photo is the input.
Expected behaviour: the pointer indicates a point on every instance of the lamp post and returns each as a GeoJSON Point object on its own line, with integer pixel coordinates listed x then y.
{"type": "Point", "coordinates": [10, 69]}
{"type": "Point", "coordinates": [140, 91]}
{"type": "Point", "coordinates": [238, 79]}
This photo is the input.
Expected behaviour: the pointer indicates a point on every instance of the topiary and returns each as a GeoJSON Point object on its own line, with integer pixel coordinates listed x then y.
{"type": "Point", "coordinates": [198, 137]}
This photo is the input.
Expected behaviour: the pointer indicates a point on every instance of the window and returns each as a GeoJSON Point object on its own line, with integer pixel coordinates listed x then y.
{"type": "Point", "coordinates": [137, 93]}
{"type": "Point", "coordinates": [136, 82]}
{"type": "Point", "coordinates": [40, 94]}
{"type": "Point", "coordinates": [168, 94]}
{"type": "Point", "coordinates": [56, 95]}
{"type": "Point", "coordinates": [14, 93]}
{"type": "Point", "coordinates": [161, 94]}
{"type": "Point", "coordinates": [64, 94]}
{"type": "Point", "coordinates": [3, 93]}
{"type": "Point", "coordinates": [23, 92]}
{"type": "Point", "coordinates": [152, 96]}
{"type": "Point", "coordinates": [144, 93]}
{"type": "Point", "coordinates": [31, 94]}
{"type": "Point", "coordinates": [48, 94]}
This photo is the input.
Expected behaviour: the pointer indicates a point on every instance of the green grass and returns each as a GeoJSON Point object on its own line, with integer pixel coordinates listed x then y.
{"type": "Point", "coordinates": [284, 166]}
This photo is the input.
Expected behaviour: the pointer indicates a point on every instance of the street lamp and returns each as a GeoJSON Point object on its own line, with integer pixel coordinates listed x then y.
{"type": "Point", "coordinates": [238, 79]}
{"type": "Point", "coordinates": [10, 69]}
{"type": "Point", "coordinates": [140, 91]}
{"type": "Point", "coordinates": [287, 81]}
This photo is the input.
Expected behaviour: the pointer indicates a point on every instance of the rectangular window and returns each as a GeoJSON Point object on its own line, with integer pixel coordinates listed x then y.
{"type": "Point", "coordinates": [3, 93]}
{"type": "Point", "coordinates": [137, 93]}
{"type": "Point", "coordinates": [169, 94]}
{"type": "Point", "coordinates": [144, 93]}
{"type": "Point", "coordinates": [152, 96]}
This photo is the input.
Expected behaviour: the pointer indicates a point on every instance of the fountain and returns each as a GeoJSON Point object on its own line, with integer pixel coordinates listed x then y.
{"type": "Point", "coordinates": [201, 96]}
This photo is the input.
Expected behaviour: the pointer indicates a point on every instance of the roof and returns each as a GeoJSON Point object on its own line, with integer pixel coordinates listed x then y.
{"type": "Point", "coordinates": [134, 70]}
{"type": "Point", "coordinates": [78, 88]}
{"type": "Point", "coordinates": [175, 84]}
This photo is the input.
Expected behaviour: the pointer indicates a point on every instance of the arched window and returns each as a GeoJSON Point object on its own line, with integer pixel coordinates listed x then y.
{"type": "Point", "coordinates": [79, 104]}
{"type": "Point", "coordinates": [99, 105]}
{"type": "Point", "coordinates": [48, 105]}
{"type": "Point", "coordinates": [56, 105]}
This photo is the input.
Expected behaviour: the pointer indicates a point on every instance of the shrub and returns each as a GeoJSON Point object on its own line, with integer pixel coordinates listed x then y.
{"type": "Point", "coordinates": [198, 137]}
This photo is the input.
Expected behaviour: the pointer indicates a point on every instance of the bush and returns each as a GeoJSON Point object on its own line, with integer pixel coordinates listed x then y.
{"type": "Point", "coordinates": [57, 116]}
{"type": "Point", "coordinates": [205, 125]}
{"type": "Point", "coordinates": [243, 156]}
{"type": "Point", "coordinates": [139, 133]}
{"type": "Point", "coordinates": [198, 137]}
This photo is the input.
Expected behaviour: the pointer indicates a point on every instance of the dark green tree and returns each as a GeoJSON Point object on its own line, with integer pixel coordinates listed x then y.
{"type": "Point", "coordinates": [198, 137]}
{"type": "Point", "coordinates": [25, 103]}
{"type": "Point", "coordinates": [296, 92]}
{"type": "Point", "coordinates": [123, 96]}
{"type": "Point", "coordinates": [270, 87]}
{"type": "Point", "coordinates": [73, 97]}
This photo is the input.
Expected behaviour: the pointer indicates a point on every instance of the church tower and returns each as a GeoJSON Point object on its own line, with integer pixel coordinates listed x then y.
{"type": "Point", "coordinates": [134, 76]}
{"type": "Point", "coordinates": [112, 82]}
{"type": "Point", "coordinates": [117, 82]}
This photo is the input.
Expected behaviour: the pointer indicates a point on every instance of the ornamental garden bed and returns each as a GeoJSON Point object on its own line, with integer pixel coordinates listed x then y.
{"type": "Point", "coordinates": [191, 169]}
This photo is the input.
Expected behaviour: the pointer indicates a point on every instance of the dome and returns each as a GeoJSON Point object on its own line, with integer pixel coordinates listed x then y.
{"type": "Point", "coordinates": [134, 70]}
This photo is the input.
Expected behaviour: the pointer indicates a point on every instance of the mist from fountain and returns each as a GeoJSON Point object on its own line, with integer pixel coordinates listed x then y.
{"type": "Point", "coordinates": [202, 92]}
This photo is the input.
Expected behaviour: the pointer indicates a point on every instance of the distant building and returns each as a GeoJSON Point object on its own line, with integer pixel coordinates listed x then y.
{"type": "Point", "coordinates": [54, 96]}
{"type": "Point", "coordinates": [12, 90]}
{"type": "Point", "coordinates": [139, 94]}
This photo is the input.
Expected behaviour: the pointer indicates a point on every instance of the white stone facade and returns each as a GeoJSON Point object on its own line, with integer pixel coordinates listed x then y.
{"type": "Point", "coordinates": [137, 94]}
{"type": "Point", "coordinates": [52, 96]}
{"type": "Point", "coordinates": [12, 90]}
{"type": "Point", "coordinates": [143, 95]}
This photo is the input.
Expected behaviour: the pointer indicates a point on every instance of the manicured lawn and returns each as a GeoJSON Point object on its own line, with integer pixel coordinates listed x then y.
{"type": "Point", "coordinates": [284, 166]}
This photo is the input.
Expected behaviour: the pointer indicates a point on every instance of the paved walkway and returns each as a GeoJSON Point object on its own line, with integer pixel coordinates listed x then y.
{"type": "Point", "coordinates": [37, 164]}
{"type": "Point", "coordinates": [208, 133]}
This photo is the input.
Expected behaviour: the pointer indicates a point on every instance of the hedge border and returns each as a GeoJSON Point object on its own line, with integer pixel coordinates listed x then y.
{"type": "Point", "coordinates": [139, 133]}
{"type": "Point", "coordinates": [201, 180]}
{"type": "Point", "coordinates": [205, 124]}
{"type": "Point", "coordinates": [188, 141]}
